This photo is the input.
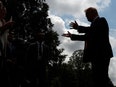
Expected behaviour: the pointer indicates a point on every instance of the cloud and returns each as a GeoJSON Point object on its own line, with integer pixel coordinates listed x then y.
{"type": "Point", "coordinates": [113, 40]}
{"type": "Point", "coordinates": [112, 70]}
{"type": "Point", "coordinates": [66, 43]}
{"type": "Point", "coordinates": [75, 8]}
{"type": "Point", "coordinates": [64, 7]}
{"type": "Point", "coordinates": [112, 66]}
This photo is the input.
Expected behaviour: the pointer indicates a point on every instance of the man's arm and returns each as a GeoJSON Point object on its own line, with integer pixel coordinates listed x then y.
{"type": "Point", "coordinates": [83, 29]}
{"type": "Point", "coordinates": [78, 37]}
{"type": "Point", "coordinates": [75, 37]}
{"type": "Point", "coordinates": [80, 29]}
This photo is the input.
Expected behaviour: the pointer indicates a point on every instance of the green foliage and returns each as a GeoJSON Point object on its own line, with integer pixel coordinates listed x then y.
{"type": "Point", "coordinates": [83, 70]}
{"type": "Point", "coordinates": [76, 60]}
{"type": "Point", "coordinates": [75, 73]}
{"type": "Point", "coordinates": [62, 76]}
{"type": "Point", "coordinates": [31, 16]}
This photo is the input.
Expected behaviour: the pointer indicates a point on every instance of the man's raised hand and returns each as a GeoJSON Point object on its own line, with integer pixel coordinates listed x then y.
{"type": "Point", "coordinates": [73, 25]}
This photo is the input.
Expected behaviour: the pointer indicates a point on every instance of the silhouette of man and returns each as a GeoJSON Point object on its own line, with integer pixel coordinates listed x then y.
{"type": "Point", "coordinates": [97, 48]}
{"type": "Point", "coordinates": [4, 31]}
{"type": "Point", "coordinates": [37, 55]}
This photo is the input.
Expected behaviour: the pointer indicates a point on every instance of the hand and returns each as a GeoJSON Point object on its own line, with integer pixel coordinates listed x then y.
{"type": "Point", "coordinates": [67, 35]}
{"type": "Point", "coordinates": [9, 24]}
{"type": "Point", "coordinates": [73, 25]}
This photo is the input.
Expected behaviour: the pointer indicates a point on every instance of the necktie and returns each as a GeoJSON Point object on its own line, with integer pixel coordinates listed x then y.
{"type": "Point", "coordinates": [40, 49]}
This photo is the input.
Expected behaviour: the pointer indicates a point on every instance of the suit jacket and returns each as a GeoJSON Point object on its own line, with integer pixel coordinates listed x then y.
{"type": "Point", "coordinates": [35, 62]}
{"type": "Point", "coordinates": [96, 39]}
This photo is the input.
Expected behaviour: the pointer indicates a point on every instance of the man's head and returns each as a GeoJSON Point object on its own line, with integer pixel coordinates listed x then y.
{"type": "Point", "coordinates": [91, 13]}
{"type": "Point", "coordinates": [39, 36]}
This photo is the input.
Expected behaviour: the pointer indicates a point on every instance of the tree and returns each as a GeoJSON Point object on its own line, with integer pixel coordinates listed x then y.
{"type": "Point", "coordinates": [31, 16]}
{"type": "Point", "coordinates": [83, 70]}
{"type": "Point", "coordinates": [76, 60]}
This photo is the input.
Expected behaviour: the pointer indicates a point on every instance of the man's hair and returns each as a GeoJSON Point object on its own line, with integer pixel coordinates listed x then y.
{"type": "Point", "coordinates": [91, 10]}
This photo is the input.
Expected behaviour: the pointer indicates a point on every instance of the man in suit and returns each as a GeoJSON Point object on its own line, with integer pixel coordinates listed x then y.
{"type": "Point", "coordinates": [5, 27]}
{"type": "Point", "coordinates": [36, 61]}
{"type": "Point", "coordinates": [97, 48]}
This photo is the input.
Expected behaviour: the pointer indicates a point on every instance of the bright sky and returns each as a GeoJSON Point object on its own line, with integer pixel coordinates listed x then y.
{"type": "Point", "coordinates": [62, 12]}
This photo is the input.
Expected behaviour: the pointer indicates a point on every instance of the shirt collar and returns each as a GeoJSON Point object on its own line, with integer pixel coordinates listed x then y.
{"type": "Point", "coordinates": [95, 18]}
